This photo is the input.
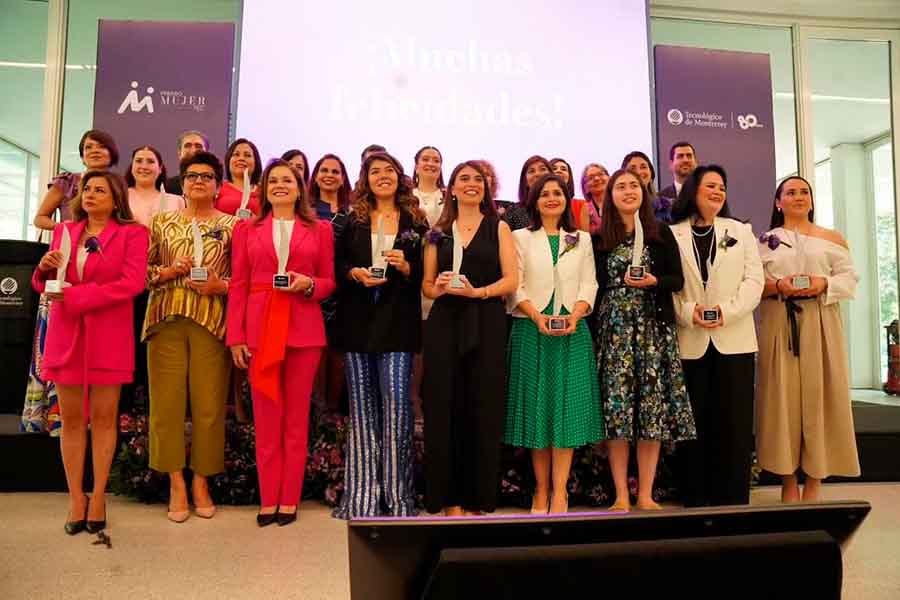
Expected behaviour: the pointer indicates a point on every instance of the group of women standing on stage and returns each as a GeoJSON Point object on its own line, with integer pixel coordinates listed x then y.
{"type": "Point", "coordinates": [623, 328]}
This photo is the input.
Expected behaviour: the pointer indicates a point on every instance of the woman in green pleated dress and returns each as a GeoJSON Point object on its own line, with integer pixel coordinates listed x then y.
{"type": "Point", "coordinates": [553, 396]}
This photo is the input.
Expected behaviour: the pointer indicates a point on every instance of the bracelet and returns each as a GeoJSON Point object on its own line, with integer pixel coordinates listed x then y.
{"type": "Point", "coordinates": [312, 288]}
{"type": "Point", "coordinates": [486, 292]}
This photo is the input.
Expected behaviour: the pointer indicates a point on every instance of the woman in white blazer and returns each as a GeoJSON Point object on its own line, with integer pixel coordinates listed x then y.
{"type": "Point", "coordinates": [553, 394]}
{"type": "Point", "coordinates": [723, 280]}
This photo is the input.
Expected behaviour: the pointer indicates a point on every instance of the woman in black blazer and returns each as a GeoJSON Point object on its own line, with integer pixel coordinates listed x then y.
{"type": "Point", "coordinates": [641, 381]}
{"type": "Point", "coordinates": [378, 264]}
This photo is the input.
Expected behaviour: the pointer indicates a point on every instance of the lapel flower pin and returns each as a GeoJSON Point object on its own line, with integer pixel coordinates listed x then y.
{"type": "Point", "coordinates": [215, 233]}
{"type": "Point", "coordinates": [773, 241]}
{"type": "Point", "coordinates": [727, 242]}
{"type": "Point", "coordinates": [92, 244]}
{"type": "Point", "coordinates": [409, 236]}
{"type": "Point", "coordinates": [435, 235]}
{"type": "Point", "coordinates": [571, 240]}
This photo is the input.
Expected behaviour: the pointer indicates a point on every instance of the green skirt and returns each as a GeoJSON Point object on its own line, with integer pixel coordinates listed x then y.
{"type": "Point", "coordinates": [553, 394]}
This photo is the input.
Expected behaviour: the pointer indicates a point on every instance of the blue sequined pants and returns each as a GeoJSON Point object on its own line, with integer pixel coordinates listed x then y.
{"type": "Point", "coordinates": [379, 465]}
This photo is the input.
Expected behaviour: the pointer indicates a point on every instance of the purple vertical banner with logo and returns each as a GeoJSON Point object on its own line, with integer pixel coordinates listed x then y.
{"type": "Point", "coordinates": [720, 102]}
{"type": "Point", "coordinates": [156, 79]}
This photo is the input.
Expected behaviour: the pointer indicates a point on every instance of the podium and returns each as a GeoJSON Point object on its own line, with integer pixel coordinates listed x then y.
{"type": "Point", "coordinates": [18, 311]}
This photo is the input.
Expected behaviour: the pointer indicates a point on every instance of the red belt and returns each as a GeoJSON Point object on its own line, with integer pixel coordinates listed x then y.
{"type": "Point", "coordinates": [266, 363]}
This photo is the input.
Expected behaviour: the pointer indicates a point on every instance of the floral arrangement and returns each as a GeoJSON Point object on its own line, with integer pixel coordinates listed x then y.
{"type": "Point", "coordinates": [773, 241]}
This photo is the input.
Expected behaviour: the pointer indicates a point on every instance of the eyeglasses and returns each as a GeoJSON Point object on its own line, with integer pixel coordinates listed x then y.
{"type": "Point", "coordinates": [205, 177]}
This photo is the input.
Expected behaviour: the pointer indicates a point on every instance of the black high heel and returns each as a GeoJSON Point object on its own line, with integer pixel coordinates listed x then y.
{"type": "Point", "coordinates": [96, 526]}
{"type": "Point", "coordinates": [286, 518]}
{"type": "Point", "coordinates": [267, 519]}
{"type": "Point", "coordinates": [76, 527]}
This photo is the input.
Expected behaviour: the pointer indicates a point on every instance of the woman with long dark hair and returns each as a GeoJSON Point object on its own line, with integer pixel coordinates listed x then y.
{"type": "Point", "coordinates": [516, 215]}
{"type": "Point", "coordinates": [641, 381]}
{"type": "Point", "coordinates": [470, 265]}
{"type": "Point", "coordinates": [243, 167]}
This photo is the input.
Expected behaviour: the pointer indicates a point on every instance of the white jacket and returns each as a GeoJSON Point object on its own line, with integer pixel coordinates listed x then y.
{"type": "Point", "coordinates": [735, 283]}
{"type": "Point", "coordinates": [577, 275]}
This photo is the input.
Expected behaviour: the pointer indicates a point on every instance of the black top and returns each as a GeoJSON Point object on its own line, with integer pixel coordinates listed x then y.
{"type": "Point", "coordinates": [389, 320]}
{"type": "Point", "coordinates": [704, 237]}
{"type": "Point", "coordinates": [515, 215]}
{"type": "Point", "coordinates": [665, 265]}
{"type": "Point", "coordinates": [173, 185]}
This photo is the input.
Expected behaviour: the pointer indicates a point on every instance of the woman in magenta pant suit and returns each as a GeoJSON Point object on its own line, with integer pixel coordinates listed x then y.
{"type": "Point", "coordinates": [89, 349]}
{"type": "Point", "coordinates": [282, 267]}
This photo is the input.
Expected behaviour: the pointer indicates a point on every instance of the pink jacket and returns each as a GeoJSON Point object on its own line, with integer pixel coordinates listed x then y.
{"type": "Point", "coordinates": [254, 262]}
{"type": "Point", "coordinates": [98, 309]}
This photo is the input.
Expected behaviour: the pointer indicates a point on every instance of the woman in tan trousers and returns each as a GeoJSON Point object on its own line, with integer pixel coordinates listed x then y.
{"type": "Point", "coordinates": [803, 390]}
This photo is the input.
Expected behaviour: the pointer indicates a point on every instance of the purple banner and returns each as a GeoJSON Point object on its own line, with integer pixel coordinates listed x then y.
{"type": "Point", "coordinates": [156, 79]}
{"type": "Point", "coordinates": [720, 102]}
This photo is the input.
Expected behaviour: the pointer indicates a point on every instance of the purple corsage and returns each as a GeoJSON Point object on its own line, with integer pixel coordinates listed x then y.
{"type": "Point", "coordinates": [773, 241]}
{"type": "Point", "coordinates": [216, 233]}
{"type": "Point", "coordinates": [92, 244]}
{"type": "Point", "coordinates": [409, 236]}
{"type": "Point", "coordinates": [571, 240]}
{"type": "Point", "coordinates": [435, 235]}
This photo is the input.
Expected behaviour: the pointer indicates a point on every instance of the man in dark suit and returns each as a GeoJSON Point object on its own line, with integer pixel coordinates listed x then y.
{"type": "Point", "coordinates": [682, 162]}
{"type": "Point", "coordinates": [189, 144]}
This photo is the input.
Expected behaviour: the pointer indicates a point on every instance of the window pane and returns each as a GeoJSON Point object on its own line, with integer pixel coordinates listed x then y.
{"type": "Point", "coordinates": [23, 48]}
{"type": "Point", "coordinates": [886, 226]}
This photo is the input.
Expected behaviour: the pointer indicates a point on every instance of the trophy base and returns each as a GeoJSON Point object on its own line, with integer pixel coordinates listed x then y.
{"type": "Point", "coordinates": [636, 272]}
{"type": "Point", "coordinates": [199, 274]}
{"type": "Point", "coordinates": [376, 272]}
{"type": "Point", "coordinates": [456, 282]}
{"type": "Point", "coordinates": [801, 282]}
{"type": "Point", "coordinates": [711, 315]}
{"type": "Point", "coordinates": [557, 324]}
{"type": "Point", "coordinates": [244, 214]}
{"type": "Point", "coordinates": [281, 281]}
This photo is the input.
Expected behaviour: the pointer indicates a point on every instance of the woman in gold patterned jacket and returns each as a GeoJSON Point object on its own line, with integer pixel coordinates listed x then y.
{"type": "Point", "coordinates": [187, 272]}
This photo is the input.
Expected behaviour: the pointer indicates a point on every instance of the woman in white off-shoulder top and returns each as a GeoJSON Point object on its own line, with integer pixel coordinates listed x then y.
{"type": "Point", "coordinates": [804, 419]}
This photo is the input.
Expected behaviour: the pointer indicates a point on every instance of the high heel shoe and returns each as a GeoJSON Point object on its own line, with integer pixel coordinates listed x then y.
{"type": "Point", "coordinates": [560, 512]}
{"type": "Point", "coordinates": [205, 512]}
{"type": "Point", "coordinates": [286, 518]}
{"type": "Point", "coordinates": [96, 526]}
{"type": "Point", "coordinates": [264, 520]}
{"type": "Point", "coordinates": [76, 527]}
{"type": "Point", "coordinates": [539, 511]}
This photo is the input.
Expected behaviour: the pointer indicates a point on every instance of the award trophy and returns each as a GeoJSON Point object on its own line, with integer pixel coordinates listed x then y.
{"type": "Point", "coordinates": [801, 282]}
{"type": "Point", "coordinates": [379, 265]}
{"type": "Point", "coordinates": [281, 280]}
{"type": "Point", "coordinates": [710, 314]}
{"type": "Point", "coordinates": [55, 286]}
{"type": "Point", "coordinates": [198, 273]}
{"type": "Point", "coordinates": [455, 281]}
{"type": "Point", "coordinates": [243, 212]}
{"type": "Point", "coordinates": [556, 322]}
{"type": "Point", "coordinates": [637, 270]}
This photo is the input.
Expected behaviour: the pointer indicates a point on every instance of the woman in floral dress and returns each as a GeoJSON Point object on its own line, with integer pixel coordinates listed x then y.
{"type": "Point", "coordinates": [641, 381]}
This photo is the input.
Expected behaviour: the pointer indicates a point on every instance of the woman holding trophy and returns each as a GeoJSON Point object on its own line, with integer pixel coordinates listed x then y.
{"type": "Point", "coordinates": [641, 381]}
{"type": "Point", "coordinates": [95, 268]}
{"type": "Point", "coordinates": [378, 264]}
{"type": "Point", "coordinates": [470, 265]}
{"type": "Point", "coordinates": [553, 396]}
{"type": "Point", "coordinates": [187, 272]}
{"type": "Point", "coordinates": [275, 328]}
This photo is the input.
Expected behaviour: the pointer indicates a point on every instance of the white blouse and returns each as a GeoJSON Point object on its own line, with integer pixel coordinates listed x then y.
{"type": "Point", "coordinates": [431, 203]}
{"type": "Point", "coordinates": [287, 225]}
{"type": "Point", "coordinates": [812, 256]}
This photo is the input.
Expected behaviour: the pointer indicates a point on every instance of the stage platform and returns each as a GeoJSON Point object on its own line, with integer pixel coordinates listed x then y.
{"type": "Point", "coordinates": [230, 557]}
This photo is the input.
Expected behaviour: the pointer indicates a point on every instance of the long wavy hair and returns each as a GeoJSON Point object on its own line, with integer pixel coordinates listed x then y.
{"type": "Point", "coordinates": [257, 167]}
{"type": "Point", "coordinates": [778, 216]}
{"type": "Point", "coordinates": [121, 210]}
{"type": "Point", "coordinates": [302, 207]}
{"type": "Point", "coordinates": [364, 197]}
{"type": "Point", "coordinates": [566, 222]}
{"type": "Point", "coordinates": [612, 228]}
{"type": "Point", "coordinates": [129, 176]}
{"type": "Point", "coordinates": [686, 204]}
{"type": "Point", "coordinates": [570, 185]}
{"type": "Point", "coordinates": [343, 193]}
{"type": "Point", "coordinates": [451, 209]}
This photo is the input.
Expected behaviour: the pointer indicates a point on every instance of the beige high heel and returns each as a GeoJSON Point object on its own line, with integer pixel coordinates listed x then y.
{"type": "Point", "coordinates": [205, 512]}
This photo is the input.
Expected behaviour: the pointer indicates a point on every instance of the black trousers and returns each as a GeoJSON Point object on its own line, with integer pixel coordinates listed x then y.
{"type": "Point", "coordinates": [714, 469]}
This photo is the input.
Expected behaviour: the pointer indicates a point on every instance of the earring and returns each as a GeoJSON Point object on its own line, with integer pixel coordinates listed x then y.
{"type": "Point", "coordinates": [453, 197]}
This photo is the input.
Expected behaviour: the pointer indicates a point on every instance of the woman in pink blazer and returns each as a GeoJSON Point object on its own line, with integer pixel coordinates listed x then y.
{"type": "Point", "coordinates": [282, 267]}
{"type": "Point", "coordinates": [89, 351]}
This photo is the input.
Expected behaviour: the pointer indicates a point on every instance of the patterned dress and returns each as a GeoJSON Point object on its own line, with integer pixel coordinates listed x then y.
{"type": "Point", "coordinates": [553, 396]}
{"type": "Point", "coordinates": [639, 367]}
{"type": "Point", "coordinates": [41, 410]}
